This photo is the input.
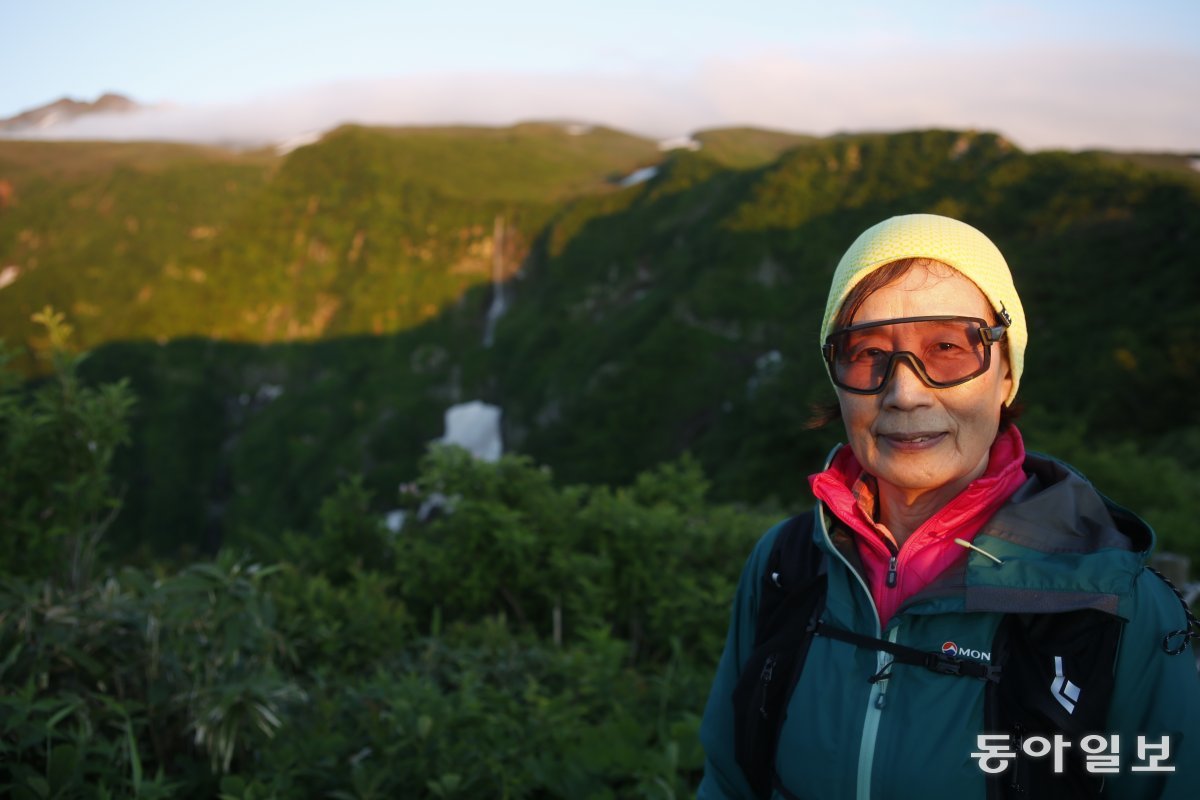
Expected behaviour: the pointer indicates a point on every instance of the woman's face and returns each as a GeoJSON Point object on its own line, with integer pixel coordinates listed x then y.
{"type": "Point", "coordinates": [912, 436]}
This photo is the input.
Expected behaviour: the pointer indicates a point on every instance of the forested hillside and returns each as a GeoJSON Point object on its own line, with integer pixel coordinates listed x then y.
{"type": "Point", "coordinates": [291, 320]}
{"type": "Point", "coordinates": [673, 315]}
{"type": "Point", "coordinates": [246, 356]}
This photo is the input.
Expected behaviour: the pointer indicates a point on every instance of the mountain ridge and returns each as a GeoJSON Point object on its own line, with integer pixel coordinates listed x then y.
{"type": "Point", "coordinates": [66, 109]}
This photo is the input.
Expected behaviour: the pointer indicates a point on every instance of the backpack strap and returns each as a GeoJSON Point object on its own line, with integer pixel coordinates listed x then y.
{"type": "Point", "coordinates": [940, 663]}
{"type": "Point", "coordinates": [791, 598]}
{"type": "Point", "coordinates": [1037, 658]}
{"type": "Point", "coordinates": [791, 601]}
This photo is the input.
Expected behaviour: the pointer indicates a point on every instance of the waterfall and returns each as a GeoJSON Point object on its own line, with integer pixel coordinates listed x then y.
{"type": "Point", "coordinates": [499, 304]}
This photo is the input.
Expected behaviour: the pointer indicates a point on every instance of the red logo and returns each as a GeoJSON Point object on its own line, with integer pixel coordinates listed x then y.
{"type": "Point", "coordinates": [950, 649]}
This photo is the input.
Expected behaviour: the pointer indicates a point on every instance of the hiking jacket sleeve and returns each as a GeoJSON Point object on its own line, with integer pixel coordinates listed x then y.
{"type": "Point", "coordinates": [1156, 695]}
{"type": "Point", "coordinates": [723, 778]}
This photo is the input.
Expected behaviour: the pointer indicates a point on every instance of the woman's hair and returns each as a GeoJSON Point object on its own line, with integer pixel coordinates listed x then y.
{"type": "Point", "coordinates": [823, 414]}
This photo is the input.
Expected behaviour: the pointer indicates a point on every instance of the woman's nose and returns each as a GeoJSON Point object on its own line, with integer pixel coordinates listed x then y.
{"type": "Point", "coordinates": [905, 388]}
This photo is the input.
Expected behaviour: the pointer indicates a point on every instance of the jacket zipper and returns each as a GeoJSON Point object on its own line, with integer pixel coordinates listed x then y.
{"type": "Point", "coordinates": [877, 699]}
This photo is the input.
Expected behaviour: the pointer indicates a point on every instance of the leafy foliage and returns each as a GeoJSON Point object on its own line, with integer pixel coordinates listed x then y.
{"type": "Point", "coordinates": [644, 562]}
{"type": "Point", "coordinates": [57, 443]}
{"type": "Point", "coordinates": [560, 643]}
{"type": "Point", "coordinates": [525, 640]}
{"type": "Point", "coordinates": [136, 672]}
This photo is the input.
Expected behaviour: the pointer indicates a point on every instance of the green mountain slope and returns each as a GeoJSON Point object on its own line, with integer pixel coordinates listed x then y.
{"type": "Point", "coordinates": [368, 231]}
{"type": "Point", "coordinates": [114, 233]}
{"type": "Point", "coordinates": [677, 314]}
{"type": "Point", "coordinates": [688, 320]}
{"type": "Point", "coordinates": [728, 267]}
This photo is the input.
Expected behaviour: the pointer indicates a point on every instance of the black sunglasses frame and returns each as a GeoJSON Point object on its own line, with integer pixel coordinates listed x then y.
{"type": "Point", "coordinates": [988, 334]}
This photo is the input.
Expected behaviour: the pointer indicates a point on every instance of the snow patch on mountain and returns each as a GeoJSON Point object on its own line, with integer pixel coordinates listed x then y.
{"type": "Point", "coordinates": [476, 427]}
{"type": "Point", "coordinates": [679, 143]}
{"type": "Point", "coordinates": [638, 176]}
{"type": "Point", "coordinates": [296, 142]}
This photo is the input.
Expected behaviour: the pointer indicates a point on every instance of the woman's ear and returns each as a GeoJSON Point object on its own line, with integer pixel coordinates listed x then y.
{"type": "Point", "coordinates": [1006, 383]}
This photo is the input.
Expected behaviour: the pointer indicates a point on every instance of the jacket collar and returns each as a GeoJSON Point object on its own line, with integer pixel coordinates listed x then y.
{"type": "Point", "coordinates": [1064, 547]}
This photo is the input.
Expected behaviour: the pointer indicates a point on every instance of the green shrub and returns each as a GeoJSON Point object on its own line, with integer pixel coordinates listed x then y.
{"type": "Point", "coordinates": [138, 673]}
{"type": "Point", "coordinates": [57, 442]}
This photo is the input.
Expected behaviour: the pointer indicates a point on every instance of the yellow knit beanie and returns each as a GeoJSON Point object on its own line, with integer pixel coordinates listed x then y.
{"type": "Point", "coordinates": [955, 244]}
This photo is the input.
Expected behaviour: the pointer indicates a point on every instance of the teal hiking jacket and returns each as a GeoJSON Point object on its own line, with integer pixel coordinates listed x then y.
{"type": "Point", "coordinates": [1064, 547]}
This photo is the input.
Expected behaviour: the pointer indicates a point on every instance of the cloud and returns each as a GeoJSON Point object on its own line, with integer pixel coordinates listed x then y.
{"type": "Point", "coordinates": [468, 98]}
{"type": "Point", "coordinates": [1040, 97]}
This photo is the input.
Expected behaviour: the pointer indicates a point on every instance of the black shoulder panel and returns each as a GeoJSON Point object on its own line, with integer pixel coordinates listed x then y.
{"type": "Point", "coordinates": [1057, 678]}
{"type": "Point", "coordinates": [791, 597]}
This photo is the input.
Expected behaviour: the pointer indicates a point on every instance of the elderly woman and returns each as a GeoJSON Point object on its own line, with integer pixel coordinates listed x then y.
{"type": "Point", "coordinates": [956, 617]}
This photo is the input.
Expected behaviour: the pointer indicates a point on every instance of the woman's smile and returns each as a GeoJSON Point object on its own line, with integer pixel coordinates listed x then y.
{"type": "Point", "coordinates": [913, 442]}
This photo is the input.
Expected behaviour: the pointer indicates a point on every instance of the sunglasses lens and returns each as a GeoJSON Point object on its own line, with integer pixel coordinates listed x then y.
{"type": "Point", "coordinates": [946, 351]}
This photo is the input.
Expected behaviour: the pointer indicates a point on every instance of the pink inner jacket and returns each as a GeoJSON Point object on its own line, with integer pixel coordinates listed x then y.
{"type": "Point", "coordinates": [849, 493]}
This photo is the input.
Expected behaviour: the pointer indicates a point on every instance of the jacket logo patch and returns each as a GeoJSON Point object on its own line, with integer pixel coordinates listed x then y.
{"type": "Point", "coordinates": [1065, 692]}
{"type": "Point", "coordinates": [951, 649]}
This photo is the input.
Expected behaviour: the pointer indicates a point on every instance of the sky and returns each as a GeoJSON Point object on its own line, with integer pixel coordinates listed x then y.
{"type": "Point", "coordinates": [1068, 74]}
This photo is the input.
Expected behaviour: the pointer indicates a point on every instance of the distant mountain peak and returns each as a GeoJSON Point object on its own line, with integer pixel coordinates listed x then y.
{"type": "Point", "coordinates": [66, 109]}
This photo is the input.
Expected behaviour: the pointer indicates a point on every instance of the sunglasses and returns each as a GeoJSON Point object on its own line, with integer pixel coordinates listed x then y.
{"type": "Point", "coordinates": [943, 351]}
